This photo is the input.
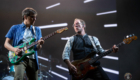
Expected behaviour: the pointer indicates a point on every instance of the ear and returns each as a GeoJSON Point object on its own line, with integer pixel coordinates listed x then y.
{"type": "Point", "coordinates": [25, 17]}
{"type": "Point", "coordinates": [84, 26]}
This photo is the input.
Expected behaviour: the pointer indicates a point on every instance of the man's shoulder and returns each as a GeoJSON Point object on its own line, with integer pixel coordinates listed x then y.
{"type": "Point", "coordinates": [15, 26]}
{"type": "Point", "coordinates": [94, 37]}
{"type": "Point", "coordinates": [37, 28]}
{"type": "Point", "coordinates": [71, 37]}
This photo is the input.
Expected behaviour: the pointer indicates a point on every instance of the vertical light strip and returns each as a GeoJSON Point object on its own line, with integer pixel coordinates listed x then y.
{"type": "Point", "coordinates": [108, 12]}
{"type": "Point", "coordinates": [46, 59]}
{"type": "Point", "coordinates": [86, 1]}
{"type": "Point", "coordinates": [58, 75]}
{"type": "Point", "coordinates": [111, 71]}
{"type": "Point", "coordinates": [53, 25]}
{"type": "Point", "coordinates": [54, 5]}
{"type": "Point", "coordinates": [60, 67]}
{"type": "Point", "coordinates": [110, 25]}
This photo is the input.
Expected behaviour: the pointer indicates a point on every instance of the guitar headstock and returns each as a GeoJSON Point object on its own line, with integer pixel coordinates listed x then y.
{"type": "Point", "coordinates": [61, 30]}
{"type": "Point", "coordinates": [129, 38]}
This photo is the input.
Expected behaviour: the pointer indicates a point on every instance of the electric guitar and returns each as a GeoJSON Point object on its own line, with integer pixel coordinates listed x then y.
{"type": "Point", "coordinates": [28, 48]}
{"type": "Point", "coordinates": [85, 65]}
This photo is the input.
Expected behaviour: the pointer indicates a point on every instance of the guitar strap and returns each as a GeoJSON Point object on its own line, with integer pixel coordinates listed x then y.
{"type": "Point", "coordinates": [34, 32]}
{"type": "Point", "coordinates": [92, 41]}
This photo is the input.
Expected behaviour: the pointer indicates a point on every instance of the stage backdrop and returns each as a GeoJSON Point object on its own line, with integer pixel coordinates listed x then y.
{"type": "Point", "coordinates": [109, 20]}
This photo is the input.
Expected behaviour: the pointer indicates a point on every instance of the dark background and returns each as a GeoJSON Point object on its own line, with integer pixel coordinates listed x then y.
{"type": "Point", "coordinates": [127, 19]}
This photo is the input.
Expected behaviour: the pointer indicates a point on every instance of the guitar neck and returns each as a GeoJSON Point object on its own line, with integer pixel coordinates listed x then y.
{"type": "Point", "coordinates": [44, 38]}
{"type": "Point", "coordinates": [103, 54]}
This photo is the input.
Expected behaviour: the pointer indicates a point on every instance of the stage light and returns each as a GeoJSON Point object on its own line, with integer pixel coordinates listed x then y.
{"type": "Point", "coordinates": [66, 38]}
{"type": "Point", "coordinates": [58, 75]}
{"type": "Point", "coordinates": [111, 71]}
{"type": "Point", "coordinates": [53, 25]}
{"type": "Point", "coordinates": [86, 1]}
{"type": "Point", "coordinates": [60, 67]}
{"type": "Point", "coordinates": [110, 25]}
{"type": "Point", "coordinates": [108, 12]}
{"type": "Point", "coordinates": [46, 59]}
{"type": "Point", "coordinates": [110, 57]}
{"type": "Point", "coordinates": [1, 61]}
{"type": "Point", "coordinates": [52, 5]}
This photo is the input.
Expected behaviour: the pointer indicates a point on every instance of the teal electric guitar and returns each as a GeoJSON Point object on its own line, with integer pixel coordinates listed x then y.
{"type": "Point", "coordinates": [28, 48]}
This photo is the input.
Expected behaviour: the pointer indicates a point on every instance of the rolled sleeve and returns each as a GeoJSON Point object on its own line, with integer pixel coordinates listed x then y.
{"type": "Point", "coordinates": [67, 49]}
{"type": "Point", "coordinates": [10, 33]}
{"type": "Point", "coordinates": [98, 45]}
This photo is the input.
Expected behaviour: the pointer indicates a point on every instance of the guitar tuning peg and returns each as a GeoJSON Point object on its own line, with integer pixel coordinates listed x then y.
{"type": "Point", "coordinates": [133, 35]}
{"type": "Point", "coordinates": [130, 35]}
{"type": "Point", "coordinates": [127, 36]}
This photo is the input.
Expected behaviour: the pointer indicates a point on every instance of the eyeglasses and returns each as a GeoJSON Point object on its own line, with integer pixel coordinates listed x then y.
{"type": "Point", "coordinates": [77, 24]}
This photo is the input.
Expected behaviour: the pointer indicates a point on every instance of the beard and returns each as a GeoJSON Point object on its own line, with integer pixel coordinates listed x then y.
{"type": "Point", "coordinates": [79, 31]}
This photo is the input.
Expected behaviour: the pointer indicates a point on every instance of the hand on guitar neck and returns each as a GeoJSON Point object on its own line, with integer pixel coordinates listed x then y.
{"type": "Point", "coordinates": [40, 43]}
{"type": "Point", "coordinates": [115, 49]}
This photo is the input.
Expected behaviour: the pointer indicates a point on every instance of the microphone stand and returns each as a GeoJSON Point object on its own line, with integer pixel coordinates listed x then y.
{"type": "Point", "coordinates": [41, 74]}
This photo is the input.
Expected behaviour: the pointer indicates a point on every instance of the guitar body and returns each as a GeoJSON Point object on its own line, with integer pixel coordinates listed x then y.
{"type": "Point", "coordinates": [14, 59]}
{"type": "Point", "coordinates": [83, 67]}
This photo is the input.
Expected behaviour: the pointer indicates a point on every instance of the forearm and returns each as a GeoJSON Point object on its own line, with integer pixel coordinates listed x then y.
{"type": "Point", "coordinates": [67, 62]}
{"type": "Point", "coordinates": [9, 46]}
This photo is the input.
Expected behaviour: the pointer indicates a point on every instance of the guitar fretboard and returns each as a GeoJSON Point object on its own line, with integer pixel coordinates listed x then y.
{"type": "Point", "coordinates": [44, 38]}
{"type": "Point", "coordinates": [103, 54]}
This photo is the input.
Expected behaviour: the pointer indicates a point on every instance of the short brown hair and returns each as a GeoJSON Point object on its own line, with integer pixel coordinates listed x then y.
{"type": "Point", "coordinates": [28, 11]}
{"type": "Point", "coordinates": [82, 21]}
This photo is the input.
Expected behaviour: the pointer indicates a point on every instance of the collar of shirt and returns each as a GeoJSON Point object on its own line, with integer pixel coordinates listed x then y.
{"type": "Point", "coordinates": [83, 35]}
{"type": "Point", "coordinates": [24, 26]}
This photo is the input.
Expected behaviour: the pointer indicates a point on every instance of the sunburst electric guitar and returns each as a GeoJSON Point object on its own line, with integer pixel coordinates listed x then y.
{"type": "Point", "coordinates": [85, 65]}
{"type": "Point", "coordinates": [28, 48]}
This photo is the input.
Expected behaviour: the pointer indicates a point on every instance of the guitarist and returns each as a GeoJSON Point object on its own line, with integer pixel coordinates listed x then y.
{"type": "Point", "coordinates": [81, 46]}
{"type": "Point", "coordinates": [23, 33]}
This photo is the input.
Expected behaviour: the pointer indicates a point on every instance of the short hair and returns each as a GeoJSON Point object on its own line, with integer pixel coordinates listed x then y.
{"type": "Point", "coordinates": [82, 21]}
{"type": "Point", "coordinates": [28, 11]}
